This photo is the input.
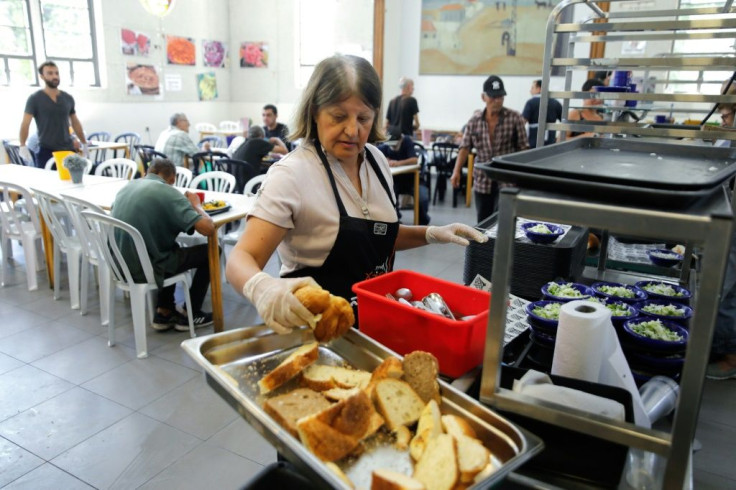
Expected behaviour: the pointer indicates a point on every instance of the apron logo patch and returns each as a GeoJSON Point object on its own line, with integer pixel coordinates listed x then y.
{"type": "Point", "coordinates": [380, 228]}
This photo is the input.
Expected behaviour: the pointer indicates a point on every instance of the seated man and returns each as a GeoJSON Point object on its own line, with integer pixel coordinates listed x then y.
{"type": "Point", "coordinates": [256, 146]}
{"type": "Point", "coordinates": [175, 142]}
{"type": "Point", "coordinates": [272, 128]}
{"type": "Point", "coordinates": [160, 212]}
{"type": "Point", "coordinates": [402, 153]}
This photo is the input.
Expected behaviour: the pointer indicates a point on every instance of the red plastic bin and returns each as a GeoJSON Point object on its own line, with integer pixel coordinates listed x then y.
{"type": "Point", "coordinates": [457, 344]}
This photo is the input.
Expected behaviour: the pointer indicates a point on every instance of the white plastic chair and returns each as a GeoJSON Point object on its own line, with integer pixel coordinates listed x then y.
{"type": "Point", "coordinates": [230, 125]}
{"type": "Point", "coordinates": [51, 165]}
{"type": "Point", "coordinates": [141, 303]}
{"type": "Point", "coordinates": [217, 181]}
{"type": "Point", "coordinates": [183, 177]}
{"type": "Point", "coordinates": [252, 185]}
{"type": "Point", "coordinates": [205, 126]}
{"type": "Point", "coordinates": [121, 168]}
{"type": "Point", "coordinates": [90, 255]}
{"type": "Point", "coordinates": [24, 226]}
{"type": "Point", "coordinates": [64, 242]}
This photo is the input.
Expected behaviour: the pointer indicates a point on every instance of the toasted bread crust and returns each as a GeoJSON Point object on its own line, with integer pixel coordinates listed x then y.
{"type": "Point", "coordinates": [288, 408]}
{"type": "Point", "coordinates": [320, 377]}
{"type": "Point", "coordinates": [335, 313]}
{"type": "Point", "coordinates": [420, 371]}
{"type": "Point", "coordinates": [290, 367]}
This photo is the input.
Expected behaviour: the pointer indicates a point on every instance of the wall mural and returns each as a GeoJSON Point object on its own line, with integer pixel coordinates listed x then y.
{"type": "Point", "coordinates": [478, 37]}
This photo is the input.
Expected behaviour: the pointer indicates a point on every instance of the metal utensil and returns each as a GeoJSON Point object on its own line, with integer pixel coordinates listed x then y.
{"type": "Point", "coordinates": [434, 302]}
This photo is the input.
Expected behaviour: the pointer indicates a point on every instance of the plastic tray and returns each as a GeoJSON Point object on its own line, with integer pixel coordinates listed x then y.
{"type": "Point", "coordinates": [457, 344]}
{"type": "Point", "coordinates": [673, 167]}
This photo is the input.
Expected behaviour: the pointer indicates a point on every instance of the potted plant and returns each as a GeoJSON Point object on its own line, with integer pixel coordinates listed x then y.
{"type": "Point", "coordinates": [76, 166]}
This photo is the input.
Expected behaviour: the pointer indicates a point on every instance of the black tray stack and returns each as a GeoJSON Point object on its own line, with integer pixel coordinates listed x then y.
{"type": "Point", "coordinates": [534, 264]}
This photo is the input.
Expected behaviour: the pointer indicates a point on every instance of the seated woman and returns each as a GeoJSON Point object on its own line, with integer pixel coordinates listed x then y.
{"type": "Point", "coordinates": [589, 112]}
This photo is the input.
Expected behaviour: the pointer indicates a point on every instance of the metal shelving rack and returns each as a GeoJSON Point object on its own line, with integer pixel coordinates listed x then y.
{"type": "Point", "coordinates": [640, 25]}
{"type": "Point", "coordinates": [704, 224]}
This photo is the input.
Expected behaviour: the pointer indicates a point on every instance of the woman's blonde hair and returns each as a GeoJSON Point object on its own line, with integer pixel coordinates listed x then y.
{"type": "Point", "coordinates": [334, 80]}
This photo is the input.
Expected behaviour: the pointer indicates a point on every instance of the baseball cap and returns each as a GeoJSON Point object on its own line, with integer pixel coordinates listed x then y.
{"type": "Point", "coordinates": [493, 87]}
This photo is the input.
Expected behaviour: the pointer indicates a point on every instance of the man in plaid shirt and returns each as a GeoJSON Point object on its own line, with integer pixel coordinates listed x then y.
{"type": "Point", "coordinates": [175, 142]}
{"type": "Point", "coordinates": [495, 131]}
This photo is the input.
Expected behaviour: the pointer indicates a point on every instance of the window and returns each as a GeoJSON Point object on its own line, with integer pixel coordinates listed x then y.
{"type": "Point", "coordinates": [33, 31]}
{"type": "Point", "coordinates": [327, 27]}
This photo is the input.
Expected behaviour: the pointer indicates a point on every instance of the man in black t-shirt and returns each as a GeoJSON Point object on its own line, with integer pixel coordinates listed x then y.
{"type": "Point", "coordinates": [531, 114]}
{"type": "Point", "coordinates": [402, 116]}
{"type": "Point", "coordinates": [54, 112]}
{"type": "Point", "coordinates": [273, 129]}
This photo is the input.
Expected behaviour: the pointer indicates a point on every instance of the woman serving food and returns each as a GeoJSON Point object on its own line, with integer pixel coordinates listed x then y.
{"type": "Point", "coordinates": [328, 205]}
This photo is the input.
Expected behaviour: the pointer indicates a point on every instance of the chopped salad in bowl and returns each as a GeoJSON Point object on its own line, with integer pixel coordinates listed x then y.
{"type": "Point", "coordinates": [666, 310]}
{"type": "Point", "coordinates": [566, 291]}
{"type": "Point", "coordinates": [655, 334]}
{"type": "Point", "coordinates": [542, 232]}
{"type": "Point", "coordinates": [665, 291]}
{"type": "Point", "coordinates": [618, 291]}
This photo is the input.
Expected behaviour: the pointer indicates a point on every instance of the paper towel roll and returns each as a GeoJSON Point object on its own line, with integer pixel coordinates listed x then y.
{"type": "Point", "coordinates": [581, 340]}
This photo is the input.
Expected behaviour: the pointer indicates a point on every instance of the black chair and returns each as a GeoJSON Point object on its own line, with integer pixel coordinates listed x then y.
{"type": "Point", "coordinates": [132, 139]}
{"type": "Point", "coordinates": [204, 161]}
{"type": "Point", "coordinates": [214, 141]}
{"type": "Point", "coordinates": [13, 152]}
{"type": "Point", "coordinates": [443, 160]}
{"type": "Point", "coordinates": [423, 161]}
{"type": "Point", "coordinates": [99, 136]}
{"type": "Point", "coordinates": [242, 170]}
{"type": "Point", "coordinates": [147, 155]}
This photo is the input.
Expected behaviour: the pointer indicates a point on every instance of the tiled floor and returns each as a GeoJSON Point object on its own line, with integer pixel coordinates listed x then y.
{"type": "Point", "coordinates": [77, 414]}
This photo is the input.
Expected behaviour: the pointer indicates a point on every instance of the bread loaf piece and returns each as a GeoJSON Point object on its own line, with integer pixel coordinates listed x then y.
{"type": "Point", "coordinates": [428, 427]}
{"type": "Point", "coordinates": [320, 377]}
{"type": "Point", "coordinates": [333, 315]}
{"type": "Point", "coordinates": [397, 402]}
{"type": "Point", "coordinates": [382, 479]}
{"type": "Point", "coordinates": [286, 409]}
{"type": "Point", "coordinates": [337, 394]}
{"type": "Point", "coordinates": [290, 367]}
{"type": "Point", "coordinates": [437, 468]}
{"type": "Point", "coordinates": [457, 426]}
{"type": "Point", "coordinates": [390, 367]}
{"type": "Point", "coordinates": [420, 371]}
{"type": "Point", "coordinates": [472, 457]}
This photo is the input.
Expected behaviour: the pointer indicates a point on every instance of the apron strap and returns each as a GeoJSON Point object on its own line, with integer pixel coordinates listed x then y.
{"type": "Point", "coordinates": [340, 205]}
{"type": "Point", "coordinates": [379, 174]}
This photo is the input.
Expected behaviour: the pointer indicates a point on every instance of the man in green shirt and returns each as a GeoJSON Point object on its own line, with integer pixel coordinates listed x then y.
{"type": "Point", "coordinates": [160, 212]}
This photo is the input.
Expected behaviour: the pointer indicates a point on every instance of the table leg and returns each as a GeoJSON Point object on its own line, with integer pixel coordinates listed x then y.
{"type": "Point", "coordinates": [213, 250]}
{"type": "Point", "coordinates": [48, 249]}
{"type": "Point", "coordinates": [469, 181]}
{"type": "Point", "coordinates": [416, 197]}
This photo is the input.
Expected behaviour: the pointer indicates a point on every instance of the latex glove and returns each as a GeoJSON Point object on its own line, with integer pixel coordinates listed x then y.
{"type": "Point", "coordinates": [454, 233]}
{"type": "Point", "coordinates": [25, 154]}
{"type": "Point", "coordinates": [85, 150]}
{"type": "Point", "coordinates": [275, 301]}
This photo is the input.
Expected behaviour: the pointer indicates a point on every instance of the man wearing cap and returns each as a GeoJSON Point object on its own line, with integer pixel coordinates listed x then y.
{"type": "Point", "coordinates": [495, 131]}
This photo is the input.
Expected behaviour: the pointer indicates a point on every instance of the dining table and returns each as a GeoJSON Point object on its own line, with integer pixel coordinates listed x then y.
{"type": "Point", "coordinates": [239, 206]}
{"type": "Point", "coordinates": [50, 181]}
{"type": "Point", "coordinates": [409, 169]}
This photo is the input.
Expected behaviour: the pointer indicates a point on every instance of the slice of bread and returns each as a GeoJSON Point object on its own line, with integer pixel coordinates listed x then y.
{"type": "Point", "coordinates": [382, 479]}
{"type": "Point", "coordinates": [397, 402]}
{"type": "Point", "coordinates": [402, 438]}
{"type": "Point", "coordinates": [437, 468]}
{"type": "Point", "coordinates": [333, 315]}
{"type": "Point", "coordinates": [390, 367]}
{"type": "Point", "coordinates": [291, 366]}
{"type": "Point", "coordinates": [324, 441]}
{"type": "Point", "coordinates": [457, 426]}
{"type": "Point", "coordinates": [337, 394]}
{"type": "Point", "coordinates": [472, 457]}
{"type": "Point", "coordinates": [286, 409]}
{"type": "Point", "coordinates": [428, 427]}
{"type": "Point", "coordinates": [320, 377]}
{"type": "Point", "coordinates": [420, 371]}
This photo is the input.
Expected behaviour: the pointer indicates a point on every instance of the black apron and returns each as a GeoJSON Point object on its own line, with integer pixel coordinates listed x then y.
{"type": "Point", "coordinates": [363, 248]}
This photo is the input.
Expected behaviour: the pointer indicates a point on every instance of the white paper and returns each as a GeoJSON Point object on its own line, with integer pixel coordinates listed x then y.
{"type": "Point", "coordinates": [172, 82]}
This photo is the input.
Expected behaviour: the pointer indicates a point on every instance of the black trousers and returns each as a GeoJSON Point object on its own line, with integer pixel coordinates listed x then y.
{"type": "Point", "coordinates": [188, 258]}
{"type": "Point", "coordinates": [486, 204]}
{"type": "Point", "coordinates": [42, 156]}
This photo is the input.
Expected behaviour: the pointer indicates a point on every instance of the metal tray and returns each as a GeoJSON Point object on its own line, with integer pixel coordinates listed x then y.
{"type": "Point", "coordinates": [627, 162]}
{"type": "Point", "coordinates": [235, 360]}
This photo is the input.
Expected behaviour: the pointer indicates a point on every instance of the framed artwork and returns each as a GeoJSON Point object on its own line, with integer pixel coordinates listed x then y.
{"type": "Point", "coordinates": [253, 55]}
{"type": "Point", "coordinates": [180, 50]}
{"type": "Point", "coordinates": [142, 80]}
{"type": "Point", "coordinates": [503, 37]}
{"type": "Point", "coordinates": [214, 54]}
{"type": "Point", "coordinates": [207, 86]}
{"type": "Point", "coordinates": [134, 43]}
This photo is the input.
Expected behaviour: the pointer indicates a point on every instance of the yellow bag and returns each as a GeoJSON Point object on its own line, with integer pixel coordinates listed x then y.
{"type": "Point", "coordinates": [59, 156]}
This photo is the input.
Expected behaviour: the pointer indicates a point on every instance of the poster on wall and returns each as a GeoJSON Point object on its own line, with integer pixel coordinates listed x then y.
{"type": "Point", "coordinates": [253, 55]}
{"type": "Point", "coordinates": [214, 54]}
{"type": "Point", "coordinates": [142, 80]}
{"type": "Point", "coordinates": [502, 37]}
{"type": "Point", "coordinates": [134, 43]}
{"type": "Point", "coordinates": [180, 50]}
{"type": "Point", "coordinates": [207, 86]}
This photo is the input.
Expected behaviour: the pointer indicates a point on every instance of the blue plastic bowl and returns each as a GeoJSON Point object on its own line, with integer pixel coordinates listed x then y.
{"type": "Point", "coordinates": [582, 288]}
{"type": "Point", "coordinates": [557, 231]}
{"type": "Point", "coordinates": [544, 324]}
{"type": "Point", "coordinates": [682, 320]}
{"type": "Point", "coordinates": [639, 295]}
{"type": "Point", "coordinates": [665, 364]}
{"type": "Point", "coordinates": [618, 321]}
{"type": "Point", "coordinates": [664, 261]}
{"type": "Point", "coordinates": [653, 345]}
{"type": "Point", "coordinates": [684, 293]}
